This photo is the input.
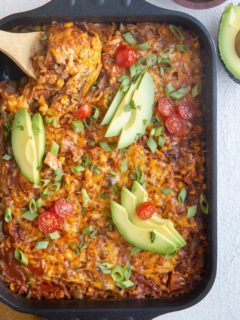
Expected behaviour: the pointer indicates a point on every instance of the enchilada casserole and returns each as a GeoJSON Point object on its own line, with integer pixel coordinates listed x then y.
{"type": "Point", "coordinates": [103, 165]}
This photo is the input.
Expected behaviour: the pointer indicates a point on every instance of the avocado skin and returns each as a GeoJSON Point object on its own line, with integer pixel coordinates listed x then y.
{"type": "Point", "coordinates": [229, 73]}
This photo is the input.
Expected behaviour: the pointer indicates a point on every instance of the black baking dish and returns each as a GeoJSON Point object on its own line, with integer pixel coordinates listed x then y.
{"type": "Point", "coordinates": [126, 11]}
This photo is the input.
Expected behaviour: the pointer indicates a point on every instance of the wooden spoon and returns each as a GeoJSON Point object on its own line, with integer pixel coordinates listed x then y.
{"type": "Point", "coordinates": [20, 47]}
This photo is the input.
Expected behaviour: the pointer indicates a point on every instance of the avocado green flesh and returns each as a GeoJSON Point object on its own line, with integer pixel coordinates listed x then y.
{"type": "Point", "coordinates": [140, 193]}
{"type": "Point", "coordinates": [137, 236]}
{"type": "Point", "coordinates": [163, 226]}
{"type": "Point", "coordinates": [23, 145]}
{"type": "Point", "coordinates": [143, 99]}
{"type": "Point", "coordinates": [113, 107]}
{"type": "Point", "coordinates": [121, 116]}
{"type": "Point", "coordinates": [229, 28]}
{"type": "Point", "coordinates": [39, 137]}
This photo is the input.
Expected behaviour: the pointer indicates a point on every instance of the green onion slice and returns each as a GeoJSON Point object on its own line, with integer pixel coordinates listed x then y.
{"type": "Point", "coordinates": [21, 257]}
{"type": "Point", "coordinates": [8, 215]}
{"type": "Point", "coordinates": [6, 157]}
{"type": "Point", "coordinates": [204, 203]}
{"type": "Point", "coordinates": [196, 90]}
{"type": "Point", "coordinates": [182, 196]}
{"type": "Point", "coordinates": [78, 126]}
{"type": "Point", "coordinates": [54, 148]}
{"type": "Point", "coordinates": [178, 94]}
{"type": "Point", "coordinates": [192, 211]}
{"type": "Point", "coordinates": [177, 32]}
{"type": "Point", "coordinates": [129, 38]}
{"type": "Point", "coordinates": [85, 196]}
{"type": "Point", "coordinates": [42, 244]}
{"type": "Point", "coordinates": [54, 235]}
{"type": "Point", "coordinates": [124, 165]}
{"type": "Point", "coordinates": [152, 145]}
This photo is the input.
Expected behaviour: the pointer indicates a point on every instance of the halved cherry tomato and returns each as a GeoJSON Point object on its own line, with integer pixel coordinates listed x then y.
{"type": "Point", "coordinates": [146, 210]}
{"type": "Point", "coordinates": [175, 125]}
{"type": "Point", "coordinates": [49, 222]}
{"type": "Point", "coordinates": [83, 112]}
{"type": "Point", "coordinates": [125, 56]}
{"type": "Point", "coordinates": [63, 208]}
{"type": "Point", "coordinates": [166, 107]}
{"type": "Point", "coordinates": [184, 110]}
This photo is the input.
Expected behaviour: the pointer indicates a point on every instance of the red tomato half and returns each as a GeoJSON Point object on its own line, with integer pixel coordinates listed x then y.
{"type": "Point", "coordinates": [166, 107]}
{"type": "Point", "coordinates": [175, 125]}
{"type": "Point", "coordinates": [83, 112]}
{"type": "Point", "coordinates": [146, 210]}
{"type": "Point", "coordinates": [184, 110]}
{"type": "Point", "coordinates": [125, 56]}
{"type": "Point", "coordinates": [49, 222]}
{"type": "Point", "coordinates": [63, 208]}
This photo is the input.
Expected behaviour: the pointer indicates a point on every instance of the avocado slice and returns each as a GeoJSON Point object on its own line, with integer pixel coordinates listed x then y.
{"type": "Point", "coordinates": [39, 137]}
{"type": "Point", "coordinates": [163, 226]}
{"type": "Point", "coordinates": [23, 145]}
{"type": "Point", "coordinates": [113, 107]}
{"type": "Point", "coordinates": [229, 40]}
{"type": "Point", "coordinates": [143, 99]}
{"type": "Point", "coordinates": [140, 237]}
{"type": "Point", "coordinates": [121, 116]}
{"type": "Point", "coordinates": [140, 193]}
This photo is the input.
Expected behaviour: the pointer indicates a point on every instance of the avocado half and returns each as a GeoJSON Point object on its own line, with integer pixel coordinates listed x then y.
{"type": "Point", "coordinates": [229, 41]}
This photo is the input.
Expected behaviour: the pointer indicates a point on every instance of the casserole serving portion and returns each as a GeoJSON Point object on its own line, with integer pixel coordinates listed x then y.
{"type": "Point", "coordinates": [104, 167]}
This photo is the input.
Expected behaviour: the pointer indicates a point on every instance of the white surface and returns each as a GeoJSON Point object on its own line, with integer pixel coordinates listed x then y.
{"type": "Point", "coordinates": [223, 302]}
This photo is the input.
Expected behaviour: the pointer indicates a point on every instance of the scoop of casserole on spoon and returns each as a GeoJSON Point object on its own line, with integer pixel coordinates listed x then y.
{"type": "Point", "coordinates": [20, 47]}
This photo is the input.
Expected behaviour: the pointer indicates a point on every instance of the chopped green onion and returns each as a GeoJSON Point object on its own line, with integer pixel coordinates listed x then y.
{"type": "Point", "coordinates": [179, 94]}
{"type": "Point", "coordinates": [104, 196]}
{"type": "Point", "coordinates": [54, 235]}
{"type": "Point", "coordinates": [125, 82]}
{"type": "Point", "coordinates": [77, 126]}
{"type": "Point", "coordinates": [58, 175]}
{"type": "Point", "coordinates": [169, 88]}
{"type": "Point", "coordinates": [137, 68]}
{"type": "Point", "coordinates": [91, 231]}
{"type": "Point", "coordinates": [53, 188]}
{"type": "Point", "coordinates": [161, 142]}
{"type": "Point", "coordinates": [105, 267]}
{"type": "Point", "coordinates": [140, 177]}
{"type": "Point", "coordinates": [7, 215]}
{"type": "Point", "coordinates": [159, 131]}
{"type": "Point", "coordinates": [125, 284]}
{"type": "Point", "coordinates": [51, 121]}
{"type": "Point", "coordinates": [78, 168]}
{"type": "Point", "coordinates": [30, 216]}
{"type": "Point", "coordinates": [96, 113]}
{"type": "Point", "coordinates": [85, 196]}
{"type": "Point", "coordinates": [196, 90]}
{"type": "Point", "coordinates": [152, 236]}
{"type": "Point", "coordinates": [42, 245]}
{"type": "Point", "coordinates": [44, 37]}
{"type": "Point", "coordinates": [39, 202]}
{"type": "Point", "coordinates": [182, 196]}
{"type": "Point", "coordinates": [204, 203]}
{"type": "Point", "coordinates": [167, 191]}
{"type": "Point", "coordinates": [88, 123]}
{"type": "Point", "coordinates": [86, 160]}
{"type": "Point", "coordinates": [135, 250]}
{"type": "Point", "coordinates": [32, 205]}
{"type": "Point", "coordinates": [182, 47]}
{"type": "Point", "coordinates": [124, 165]}
{"type": "Point", "coordinates": [162, 71]}
{"type": "Point", "coordinates": [6, 157]}
{"type": "Point", "coordinates": [21, 257]}
{"type": "Point", "coordinates": [151, 60]}
{"type": "Point", "coordinates": [105, 146]}
{"type": "Point", "coordinates": [165, 54]}
{"type": "Point", "coordinates": [54, 148]}
{"type": "Point", "coordinates": [95, 169]}
{"type": "Point", "coordinates": [143, 46]}
{"type": "Point", "coordinates": [177, 32]}
{"type": "Point", "coordinates": [152, 145]}
{"type": "Point", "coordinates": [192, 211]}
{"type": "Point", "coordinates": [129, 38]}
